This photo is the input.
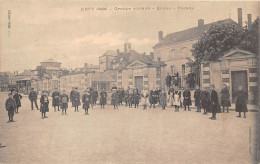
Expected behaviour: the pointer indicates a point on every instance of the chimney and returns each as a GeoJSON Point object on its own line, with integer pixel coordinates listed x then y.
{"type": "Point", "coordinates": [200, 23]}
{"type": "Point", "coordinates": [160, 35]}
{"type": "Point", "coordinates": [239, 12]}
{"type": "Point", "coordinates": [127, 47]}
{"type": "Point", "coordinates": [249, 18]}
{"type": "Point", "coordinates": [152, 55]}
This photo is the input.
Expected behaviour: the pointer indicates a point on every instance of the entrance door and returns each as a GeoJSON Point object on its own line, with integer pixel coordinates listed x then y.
{"type": "Point", "coordinates": [238, 78]}
{"type": "Point", "coordinates": [139, 83]}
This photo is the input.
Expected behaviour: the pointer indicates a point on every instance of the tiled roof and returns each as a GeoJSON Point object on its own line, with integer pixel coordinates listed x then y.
{"type": "Point", "coordinates": [50, 61]}
{"type": "Point", "coordinates": [188, 34]}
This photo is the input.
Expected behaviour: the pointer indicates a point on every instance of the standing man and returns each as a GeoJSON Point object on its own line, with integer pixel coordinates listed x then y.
{"type": "Point", "coordinates": [44, 104]}
{"type": "Point", "coordinates": [197, 96]}
{"type": "Point", "coordinates": [103, 98]}
{"type": "Point", "coordinates": [126, 96]}
{"type": "Point", "coordinates": [186, 99]}
{"type": "Point", "coordinates": [64, 99]}
{"type": "Point", "coordinates": [17, 97]}
{"type": "Point", "coordinates": [95, 96]}
{"type": "Point", "coordinates": [115, 98]}
{"type": "Point", "coordinates": [121, 96]}
{"type": "Point", "coordinates": [75, 99]}
{"type": "Point", "coordinates": [214, 104]}
{"type": "Point", "coordinates": [168, 80]}
{"type": "Point", "coordinates": [56, 99]}
{"type": "Point", "coordinates": [136, 97]}
{"type": "Point", "coordinates": [10, 106]}
{"type": "Point", "coordinates": [33, 98]}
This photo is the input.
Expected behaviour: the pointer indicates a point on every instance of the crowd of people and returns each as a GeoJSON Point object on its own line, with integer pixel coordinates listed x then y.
{"type": "Point", "coordinates": [206, 99]}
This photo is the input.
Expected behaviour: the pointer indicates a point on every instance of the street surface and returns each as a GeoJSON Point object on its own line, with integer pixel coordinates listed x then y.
{"type": "Point", "coordinates": [125, 136]}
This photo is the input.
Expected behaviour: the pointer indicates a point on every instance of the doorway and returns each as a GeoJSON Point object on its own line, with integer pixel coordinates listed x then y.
{"type": "Point", "coordinates": [139, 83]}
{"type": "Point", "coordinates": [238, 78]}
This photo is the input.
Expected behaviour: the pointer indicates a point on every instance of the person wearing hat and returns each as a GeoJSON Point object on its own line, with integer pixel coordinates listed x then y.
{"type": "Point", "coordinates": [186, 99]}
{"type": "Point", "coordinates": [225, 101]}
{"type": "Point", "coordinates": [214, 104]}
{"type": "Point", "coordinates": [86, 100]}
{"type": "Point", "coordinates": [95, 96]}
{"type": "Point", "coordinates": [197, 96]}
{"type": "Point", "coordinates": [163, 98]}
{"type": "Point", "coordinates": [114, 98]}
{"type": "Point", "coordinates": [75, 99]}
{"type": "Point", "coordinates": [126, 96]}
{"type": "Point", "coordinates": [136, 96]}
{"type": "Point", "coordinates": [44, 104]}
{"type": "Point", "coordinates": [241, 101]}
{"type": "Point", "coordinates": [205, 100]}
{"type": "Point", "coordinates": [64, 99]}
{"type": "Point", "coordinates": [103, 98]}
{"type": "Point", "coordinates": [130, 97]}
{"type": "Point", "coordinates": [56, 99]}
{"type": "Point", "coordinates": [17, 97]}
{"type": "Point", "coordinates": [33, 98]}
{"type": "Point", "coordinates": [10, 106]}
{"type": "Point", "coordinates": [71, 93]}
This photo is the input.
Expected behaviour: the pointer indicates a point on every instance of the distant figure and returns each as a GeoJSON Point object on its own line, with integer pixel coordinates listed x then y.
{"type": "Point", "coordinates": [64, 99]}
{"type": "Point", "coordinates": [95, 96]}
{"type": "Point", "coordinates": [214, 104]}
{"type": "Point", "coordinates": [86, 100]}
{"type": "Point", "coordinates": [205, 100]}
{"type": "Point", "coordinates": [126, 96]}
{"type": "Point", "coordinates": [241, 101]}
{"type": "Point", "coordinates": [130, 98]}
{"type": "Point", "coordinates": [10, 106]}
{"type": "Point", "coordinates": [103, 98]}
{"type": "Point", "coordinates": [158, 91]}
{"type": "Point", "coordinates": [121, 96]}
{"type": "Point", "coordinates": [197, 96]}
{"type": "Point", "coordinates": [71, 93]}
{"type": "Point", "coordinates": [33, 98]}
{"type": "Point", "coordinates": [56, 99]}
{"type": "Point", "coordinates": [75, 99]}
{"type": "Point", "coordinates": [136, 97]}
{"type": "Point", "coordinates": [153, 98]}
{"type": "Point", "coordinates": [171, 95]}
{"type": "Point", "coordinates": [186, 99]}
{"type": "Point", "coordinates": [44, 104]}
{"type": "Point", "coordinates": [17, 97]}
{"type": "Point", "coordinates": [115, 98]}
{"type": "Point", "coordinates": [225, 101]}
{"type": "Point", "coordinates": [145, 98]}
{"type": "Point", "coordinates": [177, 100]}
{"type": "Point", "coordinates": [168, 80]}
{"type": "Point", "coordinates": [163, 99]}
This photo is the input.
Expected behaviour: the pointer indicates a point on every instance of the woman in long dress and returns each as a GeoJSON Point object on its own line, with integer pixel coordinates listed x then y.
{"type": "Point", "coordinates": [177, 100]}
{"type": "Point", "coordinates": [145, 98]}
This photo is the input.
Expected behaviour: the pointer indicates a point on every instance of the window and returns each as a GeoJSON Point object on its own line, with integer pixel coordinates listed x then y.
{"type": "Point", "coordinates": [172, 69]}
{"type": "Point", "coordinates": [158, 72]}
{"type": "Point", "coordinates": [252, 70]}
{"type": "Point", "coordinates": [206, 73]}
{"type": "Point", "coordinates": [206, 81]}
{"type": "Point", "coordinates": [206, 65]}
{"type": "Point", "coordinates": [158, 82]}
{"type": "Point", "coordinates": [252, 79]}
{"type": "Point", "coordinates": [145, 75]}
{"type": "Point", "coordinates": [253, 88]}
{"type": "Point", "coordinates": [130, 83]}
{"type": "Point", "coordinates": [120, 84]}
{"type": "Point", "coordinates": [225, 71]}
{"type": "Point", "coordinates": [183, 68]}
{"type": "Point", "coordinates": [225, 80]}
{"type": "Point", "coordinates": [145, 82]}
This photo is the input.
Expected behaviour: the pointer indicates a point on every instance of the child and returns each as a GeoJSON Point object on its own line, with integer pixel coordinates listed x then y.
{"type": "Point", "coordinates": [197, 96]}
{"type": "Point", "coordinates": [64, 99]}
{"type": "Point", "coordinates": [163, 99]}
{"type": "Point", "coordinates": [241, 104]}
{"type": "Point", "coordinates": [103, 98]}
{"type": "Point", "coordinates": [56, 99]}
{"type": "Point", "coordinates": [17, 97]}
{"type": "Point", "coordinates": [176, 101]}
{"type": "Point", "coordinates": [114, 99]}
{"type": "Point", "coordinates": [44, 104]}
{"type": "Point", "coordinates": [10, 106]}
{"type": "Point", "coordinates": [144, 98]}
{"type": "Point", "coordinates": [86, 100]}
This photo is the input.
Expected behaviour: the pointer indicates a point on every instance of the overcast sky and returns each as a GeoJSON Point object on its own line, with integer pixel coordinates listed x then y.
{"type": "Point", "coordinates": [67, 34]}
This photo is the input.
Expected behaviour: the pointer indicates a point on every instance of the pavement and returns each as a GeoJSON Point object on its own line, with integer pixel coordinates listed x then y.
{"type": "Point", "coordinates": [125, 136]}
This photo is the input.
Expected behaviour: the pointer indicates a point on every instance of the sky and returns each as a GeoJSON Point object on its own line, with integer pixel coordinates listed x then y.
{"type": "Point", "coordinates": [75, 32]}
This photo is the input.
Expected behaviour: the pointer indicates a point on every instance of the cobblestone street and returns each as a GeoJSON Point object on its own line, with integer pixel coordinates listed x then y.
{"type": "Point", "coordinates": [125, 136]}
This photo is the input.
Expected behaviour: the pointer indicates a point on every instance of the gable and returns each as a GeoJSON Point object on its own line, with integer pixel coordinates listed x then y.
{"type": "Point", "coordinates": [136, 64]}
{"type": "Point", "coordinates": [238, 54]}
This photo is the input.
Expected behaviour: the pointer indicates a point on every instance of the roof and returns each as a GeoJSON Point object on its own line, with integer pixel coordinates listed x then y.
{"type": "Point", "coordinates": [188, 34]}
{"type": "Point", "coordinates": [101, 77]}
{"type": "Point", "coordinates": [50, 61]}
{"type": "Point", "coordinates": [109, 53]}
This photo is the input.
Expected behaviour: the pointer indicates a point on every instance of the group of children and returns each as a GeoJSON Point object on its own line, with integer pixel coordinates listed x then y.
{"type": "Point", "coordinates": [206, 99]}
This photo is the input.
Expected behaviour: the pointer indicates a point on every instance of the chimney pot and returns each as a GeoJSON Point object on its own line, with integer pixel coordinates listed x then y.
{"type": "Point", "coordinates": [160, 35]}
{"type": "Point", "coordinates": [200, 23]}
{"type": "Point", "coordinates": [239, 15]}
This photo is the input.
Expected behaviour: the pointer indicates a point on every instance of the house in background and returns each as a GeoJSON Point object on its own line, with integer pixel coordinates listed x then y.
{"type": "Point", "coordinates": [237, 67]}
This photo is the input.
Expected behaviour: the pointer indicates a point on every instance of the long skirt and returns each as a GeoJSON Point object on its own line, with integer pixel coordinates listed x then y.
{"type": "Point", "coordinates": [64, 105]}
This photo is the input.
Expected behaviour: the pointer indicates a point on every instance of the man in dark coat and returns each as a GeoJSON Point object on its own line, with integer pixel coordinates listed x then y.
{"type": "Point", "coordinates": [86, 101]}
{"type": "Point", "coordinates": [205, 100]}
{"type": "Point", "coordinates": [17, 97]}
{"type": "Point", "coordinates": [158, 92]}
{"type": "Point", "coordinates": [121, 96]}
{"type": "Point", "coordinates": [115, 98]}
{"type": "Point", "coordinates": [153, 98]}
{"type": "Point", "coordinates": [10, 106]}
{"type": "Point", "coordinates": [241, 101]}
{"type": "Point", "coordinates": [64, 99]}
{"type": "Point", "coordinates": [75, 99]}
{"type": "Point", "coordinates": [214, 104]}
{"type": "Point", "coordinates": [56, 99]}
{"type": "Point", "coordinates": [130, 98]}
{"type": "Point", "coordinates": [186, 99]}
{"type": "Point", "coordinates": [33, 98]}
{"type": "Point", "coordinates": [136, 97]}
{"type": "Point", "coordinates": [168, 80]}
{"type": "Point", "coordinates": [126, 96]}
{"type": "Point", "coordinates": [197, 96]}
{"type": "Point", "coordinates": [103, 98]}
{"type": "Point", "coordinates": [95, 96]}
{"type": "Point", "coordinates": [44, 104]}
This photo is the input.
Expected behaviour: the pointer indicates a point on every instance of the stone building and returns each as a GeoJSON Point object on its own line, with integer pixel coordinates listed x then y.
{"type": "Point", "coordinates": [236, 67]}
